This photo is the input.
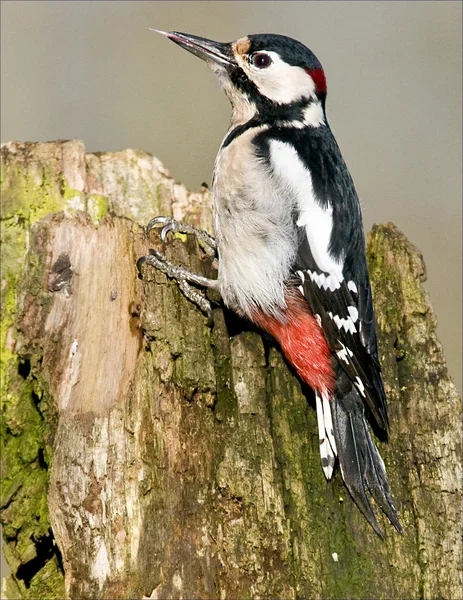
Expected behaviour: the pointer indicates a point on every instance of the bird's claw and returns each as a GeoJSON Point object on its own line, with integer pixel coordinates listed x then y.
{"type": "Point", "coordinates": [183, 277]}
{"type": "Point", "coordinates": [158, 256]}
{"type": "Point", "coordinates": [164, 222]}
{"type": "Point", "coordinates": [165, 230]}
{"type": "Point", "coordinates": [206, 241]}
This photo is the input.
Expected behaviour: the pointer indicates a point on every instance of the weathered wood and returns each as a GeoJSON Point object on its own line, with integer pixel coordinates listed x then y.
{"type": "Point", "coordinates": [181, 461]}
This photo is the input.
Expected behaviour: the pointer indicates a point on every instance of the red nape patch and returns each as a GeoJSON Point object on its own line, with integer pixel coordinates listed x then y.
{"type": "Point", "coordinates": [319, 78]}
{"type": "Point", "coordinates": [303, 342]}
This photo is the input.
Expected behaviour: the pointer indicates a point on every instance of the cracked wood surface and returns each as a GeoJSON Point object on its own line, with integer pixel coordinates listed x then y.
{"type": "Point", "coordinates": [168, 460]}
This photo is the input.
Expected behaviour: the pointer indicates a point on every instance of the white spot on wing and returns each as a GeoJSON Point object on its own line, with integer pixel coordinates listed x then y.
{"type": "Point", "coordinates": [345, 353]}
{"type": "Point", "coordinates": [342, 355]}
{"type": "Point", "coordinates": [352, 327]}
{"type": "Point", "coordinates": [347, 324]}
{"type": "Point", "coordinates": [352, 287]}
{"type": "Point", "coordinates": [330, 282]}
{"type": "Point", "coordinates": [360, 386]}
{"type": "Point", "coordinates": [353, 312]}
{"type": "Point", "coordinates": [333, 283]}
{"type": "Point", "coordinates": [339, 322]}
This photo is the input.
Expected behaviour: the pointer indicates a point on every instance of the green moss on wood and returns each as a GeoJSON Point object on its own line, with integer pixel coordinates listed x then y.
{"type": "Point", "coordinates": [231, 492]}
{"type": "Point", "coordinates": [226, 406]}
{"type": "Point", "coordinates": [97, 206]}
{"type": "Point", "coordinates": [25, 433]}
{"type": "Point", "coordinates": [48, 582]}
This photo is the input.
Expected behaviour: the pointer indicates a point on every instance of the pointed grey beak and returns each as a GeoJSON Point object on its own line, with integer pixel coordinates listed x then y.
{"type": "Point", "coordinates": [208, 50]}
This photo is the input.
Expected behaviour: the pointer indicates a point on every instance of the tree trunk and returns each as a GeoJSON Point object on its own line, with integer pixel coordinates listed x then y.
{"type": "Point", "coordinates": [148, 456]}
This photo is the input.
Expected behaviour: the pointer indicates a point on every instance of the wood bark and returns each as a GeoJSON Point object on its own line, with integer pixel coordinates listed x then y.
{"type": "Point", "coordinates": [147, 456]}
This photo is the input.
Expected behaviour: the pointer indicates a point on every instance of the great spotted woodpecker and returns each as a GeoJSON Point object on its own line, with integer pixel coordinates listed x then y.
{"type": "Point", "coordinates": [290, 244]}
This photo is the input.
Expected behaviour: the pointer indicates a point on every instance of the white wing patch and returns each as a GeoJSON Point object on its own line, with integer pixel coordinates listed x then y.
{"type": "Point", "coordinates": [353, 312]}
{"type": "Point", "coordinates": [317, 220]}
{"type": "Point", "coordinates": [328, 450]}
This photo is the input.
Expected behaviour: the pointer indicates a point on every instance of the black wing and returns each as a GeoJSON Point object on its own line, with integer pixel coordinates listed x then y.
{"type": "Point", "coordinates": [347, 318]}
{"type": "Point", "coordinates": [330, 270]}
{"type": "Point", "coordinates": [346, 310]}
{"type": "Point", "coordinates": [344, 306]}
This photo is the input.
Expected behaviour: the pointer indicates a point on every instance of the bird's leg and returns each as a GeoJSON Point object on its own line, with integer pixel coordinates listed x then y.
{"type": "Point", "coordinates": [183, 277]}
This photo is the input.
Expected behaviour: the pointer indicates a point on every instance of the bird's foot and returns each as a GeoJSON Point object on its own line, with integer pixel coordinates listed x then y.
{"type": "Point", "coordinates": [206, 241]}
{"type": "Point", "coordinates": [181, 275]}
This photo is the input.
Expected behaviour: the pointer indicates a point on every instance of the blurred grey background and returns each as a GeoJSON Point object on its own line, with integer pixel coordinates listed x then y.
{"type": "Point", "coordinates": [92, 70]}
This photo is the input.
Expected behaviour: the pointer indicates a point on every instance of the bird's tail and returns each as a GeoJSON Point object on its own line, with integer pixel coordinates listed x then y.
{"type": "Point", "coordinates": [344, 431]}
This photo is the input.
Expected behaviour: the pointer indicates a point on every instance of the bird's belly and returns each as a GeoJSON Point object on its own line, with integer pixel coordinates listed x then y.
{"type": "Point", "coordinates": [255, 257]}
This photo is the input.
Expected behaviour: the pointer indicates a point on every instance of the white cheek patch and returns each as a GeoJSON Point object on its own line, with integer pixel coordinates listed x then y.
{"type": "Point", "coordinates": [280, 82]}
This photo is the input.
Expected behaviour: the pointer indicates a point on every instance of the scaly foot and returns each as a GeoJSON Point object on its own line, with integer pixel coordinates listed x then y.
{"type": "Point", "coordinates": [206, 241]}
{"type": "Point", "coordinates": [183, 277]}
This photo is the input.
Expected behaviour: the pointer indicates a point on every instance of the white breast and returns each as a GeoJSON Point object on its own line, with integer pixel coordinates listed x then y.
{"type": "Point", "coordinates": [255, 233]}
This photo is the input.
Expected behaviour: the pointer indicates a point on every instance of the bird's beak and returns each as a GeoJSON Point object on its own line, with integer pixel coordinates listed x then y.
{"type": "Point", "coordinates": [208, 50]}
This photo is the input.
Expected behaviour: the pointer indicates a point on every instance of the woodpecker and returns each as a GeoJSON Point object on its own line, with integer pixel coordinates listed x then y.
{"type": "Point", "coordinates": [290, 245]}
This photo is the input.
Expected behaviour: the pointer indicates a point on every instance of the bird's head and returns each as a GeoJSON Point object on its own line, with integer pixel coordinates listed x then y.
{"type": "Point", "coordinates": [270, 75]}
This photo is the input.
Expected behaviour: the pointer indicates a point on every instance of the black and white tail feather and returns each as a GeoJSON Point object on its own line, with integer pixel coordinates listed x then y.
{"type": "Point", "coordinates": [361, 465]}
{"type": "Point", "coordinates": [344, 309]}
{"type": "Point", "coordinates": [328, 450]}
{"type": "Point", "coordinates": [343, 432]}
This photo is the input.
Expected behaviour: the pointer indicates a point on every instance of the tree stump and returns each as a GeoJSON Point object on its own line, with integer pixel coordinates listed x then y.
{"type": "Point", "coordinates": [147, 456]}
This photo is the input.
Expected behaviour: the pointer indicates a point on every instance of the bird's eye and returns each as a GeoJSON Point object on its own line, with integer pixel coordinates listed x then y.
{"type": "Point", "coordinates": [261, 60]}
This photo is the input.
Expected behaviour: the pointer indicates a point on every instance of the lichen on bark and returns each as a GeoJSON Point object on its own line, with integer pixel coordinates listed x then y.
{"type": "Point", "coordinates": [182, 461]}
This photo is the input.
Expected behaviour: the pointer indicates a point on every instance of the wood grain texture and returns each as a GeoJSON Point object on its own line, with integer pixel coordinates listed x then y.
{"type": "Point", "coordinates": [147, 456]}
